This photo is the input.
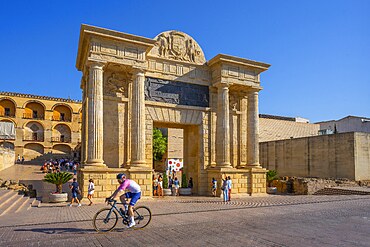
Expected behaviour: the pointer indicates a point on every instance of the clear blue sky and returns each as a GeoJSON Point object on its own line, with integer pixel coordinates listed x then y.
{"type": "Point", "coordinates": [319, 51]}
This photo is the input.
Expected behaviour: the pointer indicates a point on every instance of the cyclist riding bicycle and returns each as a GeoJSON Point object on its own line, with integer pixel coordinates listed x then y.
{"type": "Point", "coordinates": [134, 193]}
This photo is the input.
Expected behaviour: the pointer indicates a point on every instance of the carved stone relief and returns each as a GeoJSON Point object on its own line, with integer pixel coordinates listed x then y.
{"type": "Point", "coordinates": [178, 46]}
{"type": "Point", "coordinates": [116, 85]}
{"type": "Point", "coordinates": [176, 92]}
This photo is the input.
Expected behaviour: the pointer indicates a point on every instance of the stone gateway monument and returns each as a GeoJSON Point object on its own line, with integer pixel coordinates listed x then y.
{"type": "Point", "coordinates": [133, 84]}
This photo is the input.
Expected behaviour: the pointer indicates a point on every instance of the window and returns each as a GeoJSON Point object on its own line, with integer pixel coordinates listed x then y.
{"type": "Point", "coordinates": [62, 117]}
{"type": "Point", "coordinates": [62, 138]}
{"type": "Point", "coordinates": [34, 114]}
{"type": "Point", "coordinates": [7, 112]}
{"type": "Point", "coordinates": [34, 136]}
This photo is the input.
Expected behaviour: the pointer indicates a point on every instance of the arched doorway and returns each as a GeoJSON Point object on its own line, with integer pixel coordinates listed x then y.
{"type": "Point", "coordinates": [32, 151]}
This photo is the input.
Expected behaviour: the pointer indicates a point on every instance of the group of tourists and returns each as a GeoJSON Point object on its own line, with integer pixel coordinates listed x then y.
{"type": "Point", "coordinates": [173, 184]}
{"type": "Point", "coordinates": [58, 165]}
{"type": "Point", "coordinates": [225, 187]}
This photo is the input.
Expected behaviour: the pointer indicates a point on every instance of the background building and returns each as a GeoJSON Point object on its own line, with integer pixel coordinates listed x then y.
{"type": "Point", "coordinates": [346, 124]}
{"type": "Point", "coordinates": [45, 127]}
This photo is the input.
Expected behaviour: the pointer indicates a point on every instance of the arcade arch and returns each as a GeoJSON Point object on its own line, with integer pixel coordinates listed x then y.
{"type": "Point", "coordinates": [62, 149]}
{"type": "Point", "coordinates": [62, 112]}
{"type": "Point", "coordinates": [34, 110]}
{"type": "Point", "coordinates": [7, 108]}
{"type": "Point", "coordinates": [8, 145]}
{"type": "Point", "coordinates": [61, 133]}
{"type": "Point", "coordinates": [33, 131]}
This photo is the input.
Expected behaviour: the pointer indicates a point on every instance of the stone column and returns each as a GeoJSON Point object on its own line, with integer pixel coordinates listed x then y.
{"type": "Point", "coordinates": [95, 115]}
{"type": "Point", "coordinates": [223, 126]}
{"type": "Point", "coordinates": [253, 130]}
{"type": "Point", "coordinates": [138, 120]}
{"type": "Point", "coordinates": [84, 125]}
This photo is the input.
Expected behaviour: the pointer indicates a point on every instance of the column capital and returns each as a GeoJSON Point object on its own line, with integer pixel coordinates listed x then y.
{"type": "Point", "coordinates": [96, 64]}
{"type": "Point", "coordinates": [137, 70]}
{"type": "Point", "coordinates": [221, 85]}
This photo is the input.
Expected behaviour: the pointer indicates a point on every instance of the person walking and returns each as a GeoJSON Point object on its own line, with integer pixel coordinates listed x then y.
{"type": "Point", "coordinates": [19, 159]}
{"type": "Point", "coordinates": [75, 188]}
{"type": "Point", "coordinates": [177, 186]}
{"type": "Point", "coordinates": [229, 186]}
{"type": "Point", "coordinates": [214, 187]}
{"type": "Point", "coordinates": [22, 160]}
{"type": "Point", "coordinates": [90, 191]}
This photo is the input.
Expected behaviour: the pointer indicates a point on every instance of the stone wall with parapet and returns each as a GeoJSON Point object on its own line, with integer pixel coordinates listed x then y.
{"type": "Point", "coordinates": [344, 155]}
{"type": "Point", "coordinates": [7, 158]}
{"type": "Point", "coordinates": [245, 182]}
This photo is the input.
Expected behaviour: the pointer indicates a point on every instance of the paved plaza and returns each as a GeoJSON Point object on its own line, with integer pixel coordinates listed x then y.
{"type": "Point", "coordinates": [196, 221]}
{"type": "Point", "coordinates": [273, 220]}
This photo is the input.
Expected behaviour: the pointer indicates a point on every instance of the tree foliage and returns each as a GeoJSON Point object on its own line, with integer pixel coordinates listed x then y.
{"type": "Point", "coordinates": [159, 144]}
{"type": "Point", "coordinates": [58, 179]}
{"type": "Point", "coordinates": [271, 176]}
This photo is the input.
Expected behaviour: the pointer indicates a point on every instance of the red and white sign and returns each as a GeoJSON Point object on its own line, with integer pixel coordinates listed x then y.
{"type": "Point", "coordinates": [175, 164]}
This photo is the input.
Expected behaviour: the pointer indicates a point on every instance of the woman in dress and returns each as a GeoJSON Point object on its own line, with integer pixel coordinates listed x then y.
{"type": "Point", "coordinates": [90, 191]}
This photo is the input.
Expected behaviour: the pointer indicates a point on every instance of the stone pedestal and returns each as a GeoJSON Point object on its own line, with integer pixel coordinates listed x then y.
{"type": "Point", "coordinates": [106, 182]}
{"type": "Point", "coordinates": [245, 182]}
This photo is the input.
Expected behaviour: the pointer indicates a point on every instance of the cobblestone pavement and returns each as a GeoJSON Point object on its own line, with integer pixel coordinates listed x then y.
{"type": "Point", "coordinates": [203, 221]}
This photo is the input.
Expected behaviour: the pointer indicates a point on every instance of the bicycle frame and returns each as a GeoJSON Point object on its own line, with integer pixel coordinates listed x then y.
{"type": "Point", "coordinates": [114, 207]}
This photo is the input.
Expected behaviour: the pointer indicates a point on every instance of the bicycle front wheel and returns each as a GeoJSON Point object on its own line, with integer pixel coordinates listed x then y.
{"type": "Point", "coordinates": [142, 216]}
{"type": "Point", "coordinates": [105, 220]}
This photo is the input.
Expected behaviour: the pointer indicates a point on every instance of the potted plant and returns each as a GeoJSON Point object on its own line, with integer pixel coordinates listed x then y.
{"type": "Point", "coordinates": [184, 190]}
{"type": "Point", "coordinates": [271, 175]}
{"type": "Point", "coordinates": [58, 179]}
{"type": "Point", "coordinates": [166, 190]}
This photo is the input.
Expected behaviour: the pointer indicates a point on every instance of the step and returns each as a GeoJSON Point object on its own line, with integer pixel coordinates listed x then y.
{"type": "Point", "coordinates": [337, 191]}
{"type": "Point", "coordinates": [7, 202]}
{"type": "Point", "coordinates": [4, 194]}
{"type": "Point", "coordinates": [18, 201]}
{"type": "Point", "coordinates": [26, 205]}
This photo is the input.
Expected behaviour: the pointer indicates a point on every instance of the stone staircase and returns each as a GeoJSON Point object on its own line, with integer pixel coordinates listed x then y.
{"type": "Point", "coordinates": [344, 191]}
{"type": "Point", "coordinates": [11, 202]}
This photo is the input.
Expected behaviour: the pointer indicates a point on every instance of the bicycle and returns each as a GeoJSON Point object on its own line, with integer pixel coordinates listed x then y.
{"type": "Point", "coordinates": [106, 218]}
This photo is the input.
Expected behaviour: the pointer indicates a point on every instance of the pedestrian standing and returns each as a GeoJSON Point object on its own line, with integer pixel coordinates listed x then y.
{"type": "Point", "coordinates": [214, 187]}
{"type": "Point", "coordinates": [229, 186]}
{"type": "Point", "coordinates": [19, 159]}
{"type": "Point", "coordinates": [190, 183]}
{"type": "Point", "coordinates": [22, 160]}
{"type": "Point", "coordinates": [225, 189]}
{"type": "Point", "coordinates": [160, 186]}
{"type": "Point", "coordinates": [155, 186]}
{"type": "Point", "coordinates": [90, 191]}
{"type": "Point", "coordinates": [75, 189]}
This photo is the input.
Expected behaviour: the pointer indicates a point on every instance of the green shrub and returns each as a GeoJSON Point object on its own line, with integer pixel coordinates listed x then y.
{"type": "Point", "coordinates": [58, 179]}
{"type": "Point", "coordinates": [165, 180]}
{"type": "Point", "coordinates": [271, 175]}
{"type": "Point", "coordinates": [184, 182]}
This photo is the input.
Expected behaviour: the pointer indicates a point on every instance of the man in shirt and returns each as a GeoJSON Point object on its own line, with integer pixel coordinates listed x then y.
{"type": "Point", "coordinates": [134, 193]}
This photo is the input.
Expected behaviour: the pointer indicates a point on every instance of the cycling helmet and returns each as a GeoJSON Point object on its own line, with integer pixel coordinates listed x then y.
{"type": "Point", "coordinates": [121, 176]}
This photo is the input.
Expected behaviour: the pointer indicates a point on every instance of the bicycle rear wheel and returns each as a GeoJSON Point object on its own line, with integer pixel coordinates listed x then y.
{"type": "Point", "coordinates": [105, 220]}
{"type": "Point", "coordinates": [142, 216]}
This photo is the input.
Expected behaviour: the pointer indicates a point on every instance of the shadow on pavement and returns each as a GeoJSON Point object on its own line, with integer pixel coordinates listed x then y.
{"type": "Point", "coordinates": [54, 230]}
